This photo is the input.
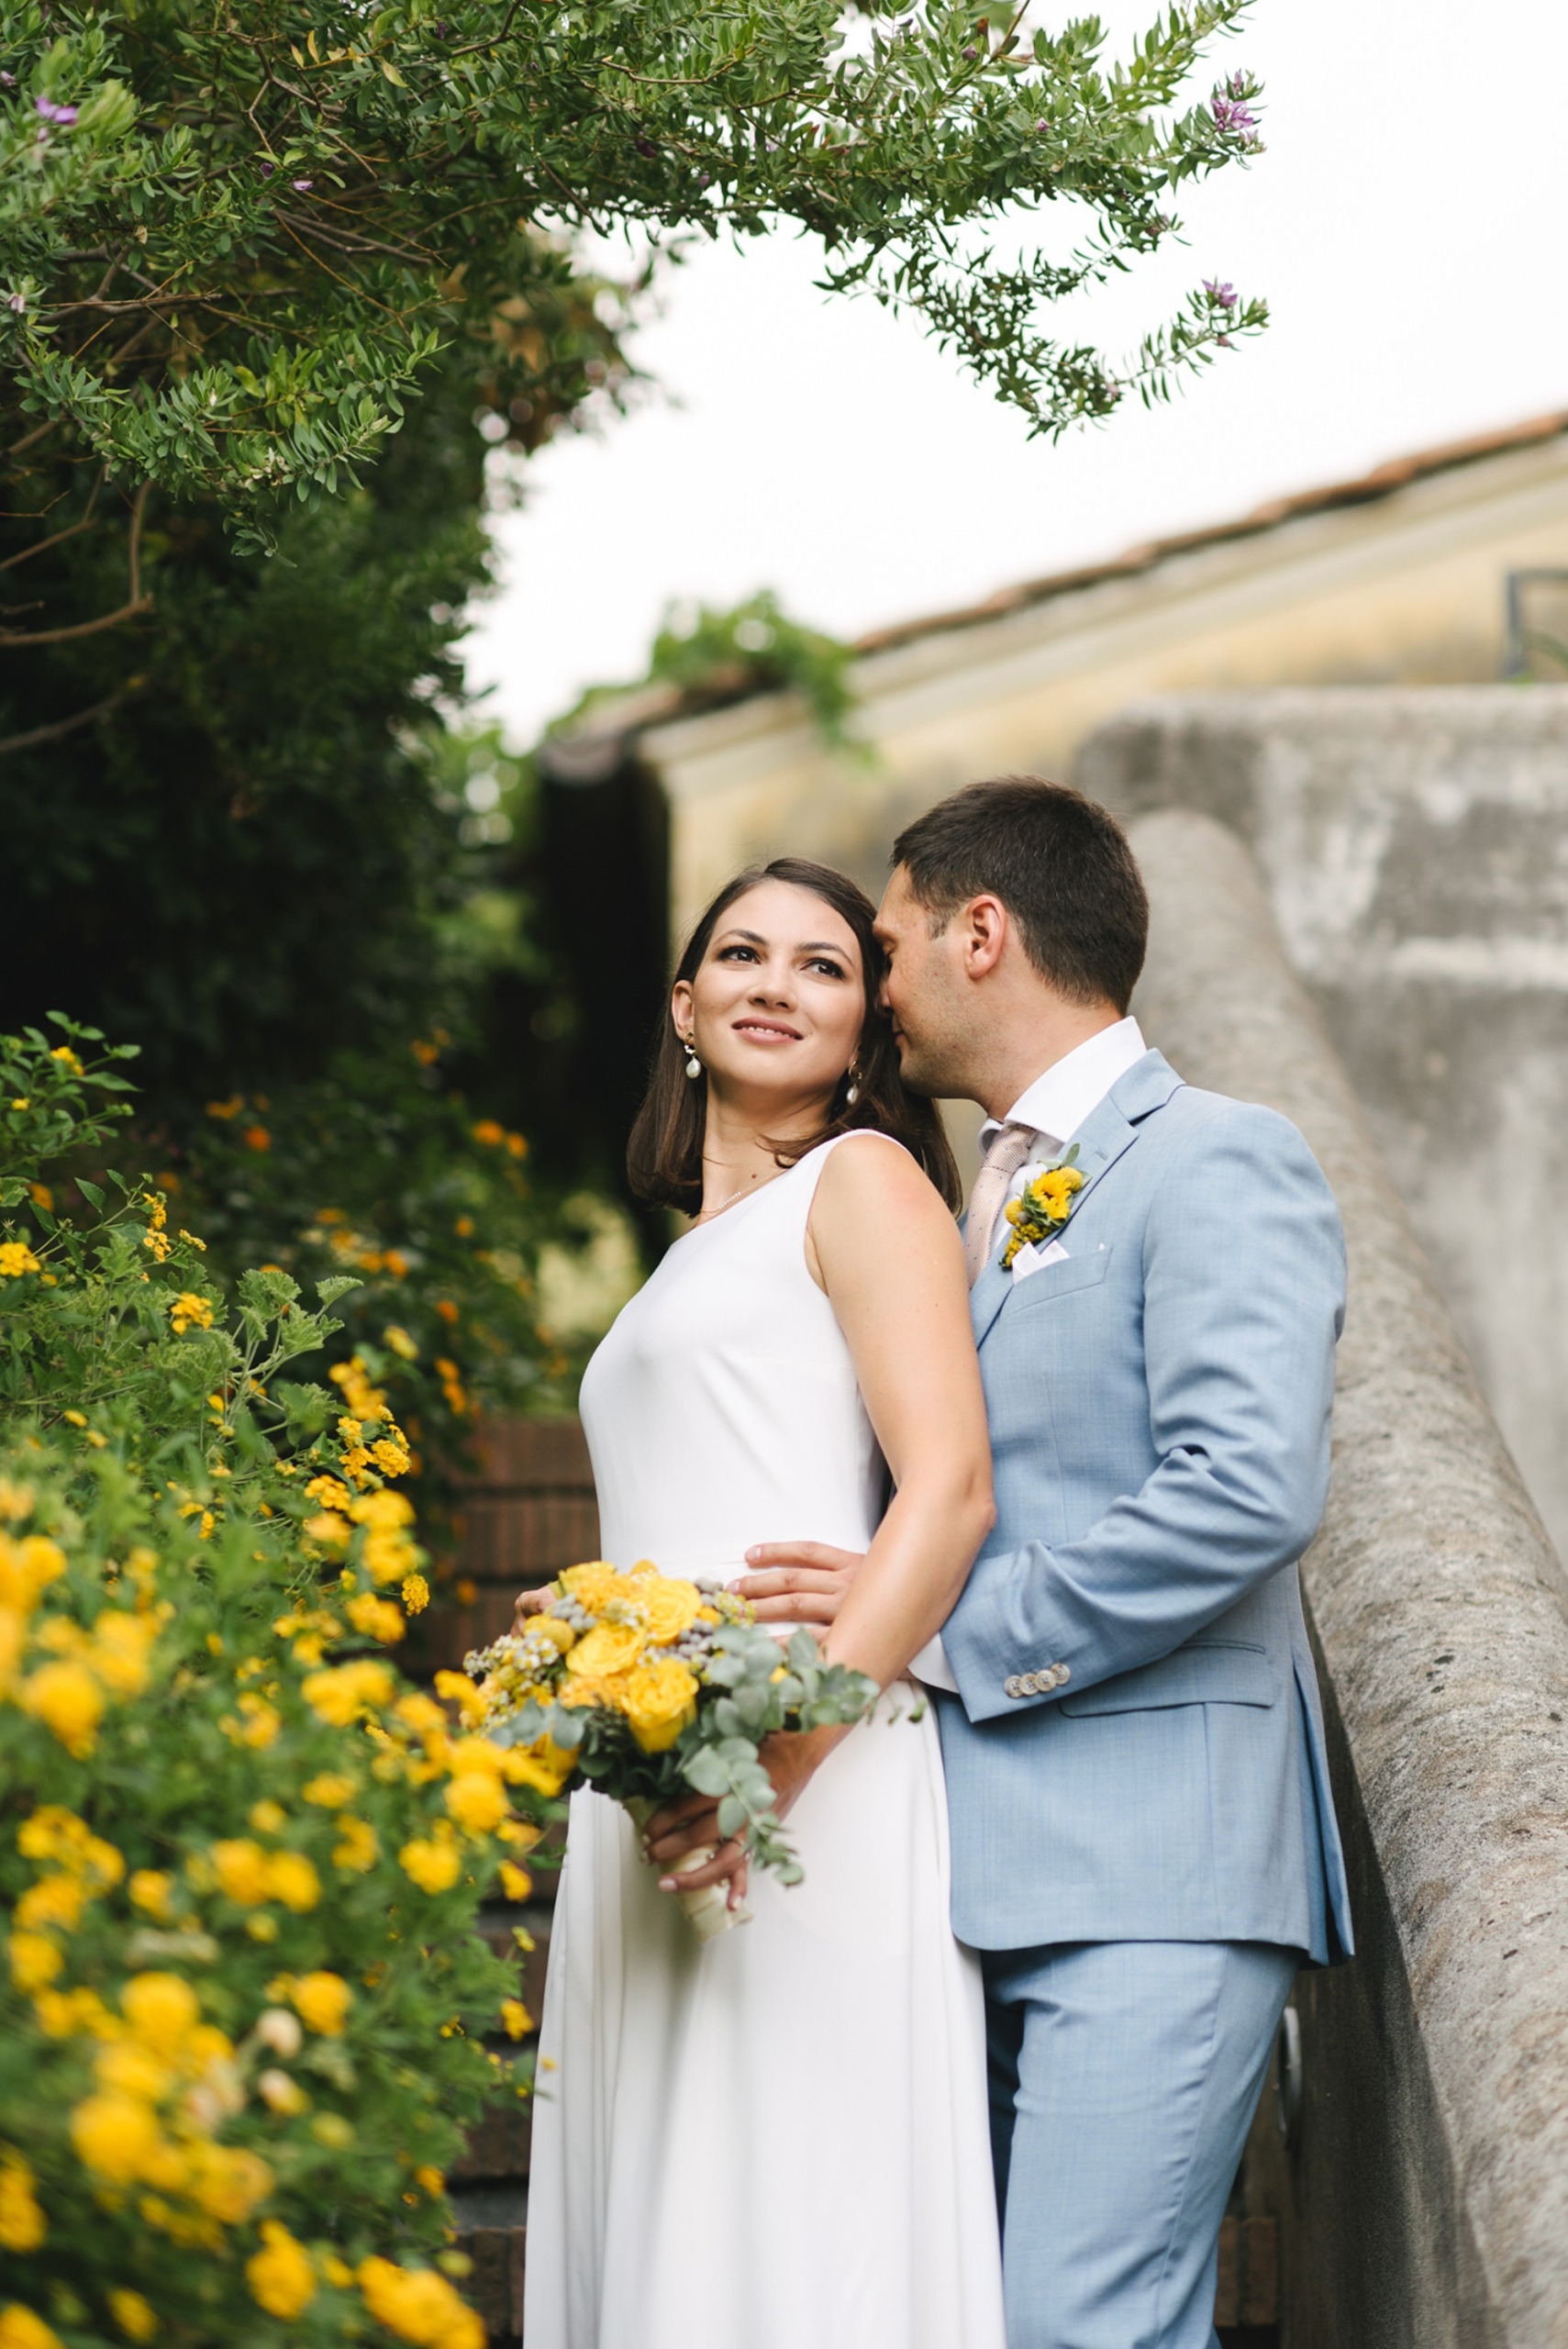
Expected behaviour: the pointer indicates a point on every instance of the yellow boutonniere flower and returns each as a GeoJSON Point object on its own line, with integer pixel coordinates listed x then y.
{"type": "Point", "coordinates": [1042, 1209]}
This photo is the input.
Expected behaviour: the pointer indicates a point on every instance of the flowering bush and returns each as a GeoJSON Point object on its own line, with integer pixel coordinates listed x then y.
{"type": "Point", "coordinates": [243, 2006]}
{"type": "Point", "coordinates": [376, 1175]}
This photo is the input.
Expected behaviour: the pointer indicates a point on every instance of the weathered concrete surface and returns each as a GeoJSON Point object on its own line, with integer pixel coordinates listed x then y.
{"type": "Point", "coordinates": [1415, 847]}
{"type": "Point", "coordinates": [1429, 2195]}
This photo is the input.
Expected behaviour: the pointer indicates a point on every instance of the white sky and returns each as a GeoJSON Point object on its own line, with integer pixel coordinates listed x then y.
{"type": "Point", "coordinates": [1406, 226]}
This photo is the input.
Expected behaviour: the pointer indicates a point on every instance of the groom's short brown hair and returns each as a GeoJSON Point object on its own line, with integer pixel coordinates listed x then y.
{"type": "Point", "coordinates": [1060, 864]}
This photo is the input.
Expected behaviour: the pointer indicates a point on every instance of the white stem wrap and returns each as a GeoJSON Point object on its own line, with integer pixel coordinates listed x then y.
{"type": "Point", "coordinates": [708, 1909]}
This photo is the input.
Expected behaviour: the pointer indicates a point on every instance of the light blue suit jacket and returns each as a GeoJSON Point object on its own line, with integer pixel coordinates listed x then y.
{"type": "Point", "coordinates": [1138, 1754]}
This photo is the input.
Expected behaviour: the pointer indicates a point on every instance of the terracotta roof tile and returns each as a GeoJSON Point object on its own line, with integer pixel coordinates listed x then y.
{"type": "Point", "coordinates": [1382, 482]}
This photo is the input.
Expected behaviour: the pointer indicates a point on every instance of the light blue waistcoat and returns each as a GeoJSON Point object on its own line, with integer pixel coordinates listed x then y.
{"type": "Point", "coordinates": [1139, 1751]}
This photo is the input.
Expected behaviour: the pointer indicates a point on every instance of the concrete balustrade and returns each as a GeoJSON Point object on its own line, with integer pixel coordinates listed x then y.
{"type": "Point", "coordinates": [1424, 2198]}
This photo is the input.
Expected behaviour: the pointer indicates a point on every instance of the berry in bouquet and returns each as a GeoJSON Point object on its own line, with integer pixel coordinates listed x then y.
{"type": "Point", "coordinates": [642, 1685]}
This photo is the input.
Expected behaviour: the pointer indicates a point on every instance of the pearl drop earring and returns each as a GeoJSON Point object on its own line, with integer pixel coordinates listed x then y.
{"type": "Point", "coordinates": [853, 1095]}
{"type": "Point", "coordinates": [693, 1066]}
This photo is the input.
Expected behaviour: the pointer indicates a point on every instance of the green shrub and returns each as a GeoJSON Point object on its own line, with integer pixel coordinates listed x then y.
{"type": "Point", "coordinates": [240, 1858]}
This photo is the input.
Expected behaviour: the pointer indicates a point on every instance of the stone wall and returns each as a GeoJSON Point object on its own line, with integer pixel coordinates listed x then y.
{"type": "Point", "coordinates": [1423, 2196]}
{"type": "Point", "coordinates": [1415, 849]}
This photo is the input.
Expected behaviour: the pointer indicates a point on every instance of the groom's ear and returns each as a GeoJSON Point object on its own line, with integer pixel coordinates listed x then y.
{"type": "Point", "coordinates": [982, 926]}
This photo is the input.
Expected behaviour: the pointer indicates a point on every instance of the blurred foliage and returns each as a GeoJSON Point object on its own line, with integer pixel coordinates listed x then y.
{"type": "Point", "coordinates": [231, 242]}
{"type": "Point", "coordinates": [709, 657]}
{"type": "Point", "coordinates": [237, 861]}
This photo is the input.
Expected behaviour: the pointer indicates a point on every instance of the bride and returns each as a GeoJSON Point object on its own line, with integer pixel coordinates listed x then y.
{"type": "Point", "coordinates": [780, 2136]}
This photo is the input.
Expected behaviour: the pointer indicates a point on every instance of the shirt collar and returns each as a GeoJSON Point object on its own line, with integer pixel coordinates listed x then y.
{"type": "Point", "coordinates": [1072, 1087]}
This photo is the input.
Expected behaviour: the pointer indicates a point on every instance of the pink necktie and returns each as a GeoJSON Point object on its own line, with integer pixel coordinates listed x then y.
{"type": "Point", "coordinates": [1007, 1153]}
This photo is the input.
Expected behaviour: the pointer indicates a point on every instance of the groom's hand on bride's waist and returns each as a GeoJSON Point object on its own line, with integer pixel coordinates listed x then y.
{"type": "Point", "coordinates": [798, 1582]}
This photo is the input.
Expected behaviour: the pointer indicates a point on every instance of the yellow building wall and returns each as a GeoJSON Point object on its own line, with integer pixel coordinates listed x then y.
{"type": "Point", "coordinates": [1407, 588]}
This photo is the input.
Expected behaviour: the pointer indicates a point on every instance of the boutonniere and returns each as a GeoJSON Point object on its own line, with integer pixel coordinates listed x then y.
{"type": "Point", "coordinates": [1043, 1207]}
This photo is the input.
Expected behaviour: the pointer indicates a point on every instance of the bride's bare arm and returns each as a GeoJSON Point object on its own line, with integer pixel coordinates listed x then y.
{"type": "Point", "coordinates": [886, 1251]}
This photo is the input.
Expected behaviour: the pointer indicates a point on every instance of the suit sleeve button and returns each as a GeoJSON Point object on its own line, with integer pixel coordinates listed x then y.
{"type": "Point", "coordinates": [1064, 1675]}
{"type": "Point", "coordinates": [1011, 1687]}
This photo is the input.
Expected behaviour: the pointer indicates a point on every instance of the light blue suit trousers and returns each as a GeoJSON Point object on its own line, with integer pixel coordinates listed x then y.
{"type": "Point", "coordinates": [1124, 2077]}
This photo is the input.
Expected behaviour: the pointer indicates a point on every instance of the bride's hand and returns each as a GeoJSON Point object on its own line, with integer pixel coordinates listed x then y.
{"type": "Point", "coordinates": [791, 1758]}
{"type": "Point", "coordinates": [528, 1602]}
{"type": "Point", "coordinates": [798, 1582]}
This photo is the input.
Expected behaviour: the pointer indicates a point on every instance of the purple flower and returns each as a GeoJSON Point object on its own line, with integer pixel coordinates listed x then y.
{"type": "Point", "coordinates": [1042, 124]}
{"type": "Point", "coordinates": [1224, 294]}
{"type": "Point", "coordinates": [1229, 114]}
{"type": "Point", "coordinates": [266, 169]}
{"type": "Point", "coordinates": [65, 115]}
{"type": "Point", "coordinates": [1223, 342]}
{"type": "Point", "coordinates": [443, 31]}
{"type": "Point", "coordinates": [302, 187]}
{"type": "Point", "coordinates": [7, 81]}
{"type": "Point", "coordinates": [18, 302]}
{"type": "Point", "coordinates": [971, 55]}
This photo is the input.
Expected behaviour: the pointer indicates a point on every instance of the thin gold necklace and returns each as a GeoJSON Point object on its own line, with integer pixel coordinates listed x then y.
{"type": "Point", "coordinates": [746, 1191]}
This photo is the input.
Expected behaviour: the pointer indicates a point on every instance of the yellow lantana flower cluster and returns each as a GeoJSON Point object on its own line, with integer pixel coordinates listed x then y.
{"type": "Point", "coordinates": [164, 2083]}
{"type": "Point", "coordinates": [68, 1693]}
{"type": "Point", "coordinates": [367, 1454]}
{"type": "Point", "coordinates": [419, 2306]}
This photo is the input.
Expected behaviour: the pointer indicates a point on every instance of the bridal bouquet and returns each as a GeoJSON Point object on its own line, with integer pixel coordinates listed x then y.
{"type": "Point", "coordinates": [643, 1686]}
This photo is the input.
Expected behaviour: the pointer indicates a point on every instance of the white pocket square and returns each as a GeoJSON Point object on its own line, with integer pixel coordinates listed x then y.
{"type": "Point", "coordinates": [1033, 1258]}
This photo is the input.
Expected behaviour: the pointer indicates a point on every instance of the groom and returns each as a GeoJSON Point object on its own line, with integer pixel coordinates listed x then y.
{"type": "Point", "coordinates": [1143, 1845]}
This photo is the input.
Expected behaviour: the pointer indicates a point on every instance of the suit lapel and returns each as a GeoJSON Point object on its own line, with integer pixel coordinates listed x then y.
{"type": "Point", "coordinates": [1110, 1129]}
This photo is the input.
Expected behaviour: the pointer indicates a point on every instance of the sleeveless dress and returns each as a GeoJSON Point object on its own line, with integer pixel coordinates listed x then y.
{"type": "Point", "coordinates": [778, 2137]}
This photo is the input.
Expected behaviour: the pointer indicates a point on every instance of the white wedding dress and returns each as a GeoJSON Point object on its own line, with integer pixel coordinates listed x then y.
{"type": "Point", "coordinates": [779, 2138]}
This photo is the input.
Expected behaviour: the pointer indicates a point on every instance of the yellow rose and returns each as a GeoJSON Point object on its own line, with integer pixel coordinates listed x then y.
{"type": "Point", "coordinates": [478, 1804]}
{"type": "Point", "coordinates": [661, 1700]}
{"type": "Point", "coordinates": [607, 1648]}
{"type": "Point", "coordinates": [597, 1585]}
{"type": "Point", "coordinates": [517, 2018]}
{"type": "Point", "coordinates": [516, 1883]}
{"type": "Point", "coordinates": [672, 1606]}
{"type": "Point", "coordinates": [560, 1635]}
{"type": "Point", "coordinates": [322, 2002]}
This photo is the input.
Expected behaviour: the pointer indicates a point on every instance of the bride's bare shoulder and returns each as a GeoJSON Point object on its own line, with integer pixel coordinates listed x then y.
{"type": "Point", "coordinates": [867, 1171]}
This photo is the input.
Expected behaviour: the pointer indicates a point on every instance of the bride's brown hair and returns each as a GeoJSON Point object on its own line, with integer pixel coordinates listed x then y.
{"type": "Point", "coordinates": [663, 1158]}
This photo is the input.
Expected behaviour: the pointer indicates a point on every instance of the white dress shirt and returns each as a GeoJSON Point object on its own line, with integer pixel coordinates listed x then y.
{"type": "Point", "coordinates": [1068, 1093]}
{"type": "Point", "coordinates": [1055, 1104]}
